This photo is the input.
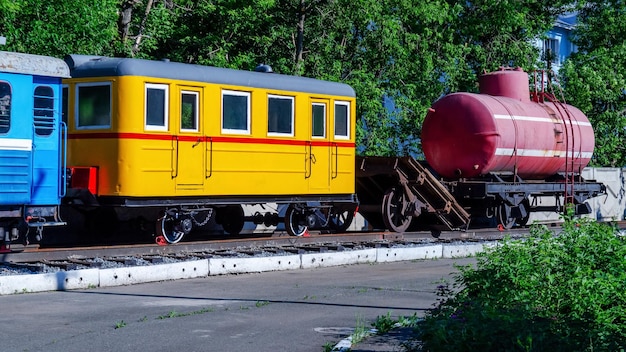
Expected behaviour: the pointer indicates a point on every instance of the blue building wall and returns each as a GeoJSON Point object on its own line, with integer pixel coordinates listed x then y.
{"type": "Point", "coordinates": [558, 41]}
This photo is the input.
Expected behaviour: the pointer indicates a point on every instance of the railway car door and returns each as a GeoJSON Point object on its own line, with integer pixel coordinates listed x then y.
{"type": "Point", "coordinates": [47, 160]}
{"type": "Point", "coordinates": [318, 147]}
{"type": "Point", "coordinates": [189, 142]}
{"type": "Point", "coordinates": [16, 143]}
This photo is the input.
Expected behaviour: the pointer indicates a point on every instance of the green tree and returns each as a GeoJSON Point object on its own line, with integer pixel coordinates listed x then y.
{"type": "Point", "coordinates": [502, 33]}
{"type": "Point", "coordinates": [224, 33]}
{"type": "Point", "coordinates": [399, 55]}
{"type": "Point", "coordinates": [595, 77]}
{"type": "Point", "coordinates": [57, 28]}
{"type": "Point", "coordinates": [393, 50]}
{"type": "Point", "coordinates": [394, 53]}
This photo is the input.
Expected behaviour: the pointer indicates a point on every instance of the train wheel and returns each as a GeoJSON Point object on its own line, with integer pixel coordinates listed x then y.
{"type": "Point", "coordinates": [295, 221]}
{"type": "Point", "coordinates": [503, 214]}
{"type": "Point", "coordinates": [341, 221]}
{"type": "Point", "coordinates": [233, 219]}
{"type": "Point", "coordinates": [172, 229]}
{"type": "Point", "coordinates": [394, 211]}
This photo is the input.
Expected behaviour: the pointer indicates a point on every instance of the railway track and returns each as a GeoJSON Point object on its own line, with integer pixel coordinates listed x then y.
{"type": "Point", "coordinates": [71, 257]}
{"type": "Point", "coordinates": [39, 260]}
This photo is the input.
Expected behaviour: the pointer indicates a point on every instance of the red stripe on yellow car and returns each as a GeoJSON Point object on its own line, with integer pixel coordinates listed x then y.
{"type": "Point", "coordinates": [219, 139]}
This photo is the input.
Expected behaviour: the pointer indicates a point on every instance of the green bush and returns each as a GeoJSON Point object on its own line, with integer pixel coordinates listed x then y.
{"type": "Point", "coordinates": [564, 292]}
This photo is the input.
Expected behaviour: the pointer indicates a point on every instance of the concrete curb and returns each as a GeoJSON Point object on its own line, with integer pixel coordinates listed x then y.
{"type": "Point", "coordinates": [220, 266]}
{"type": "Point", "coordinates": [152, 273]}
{"type": "Point", "coordinates": [60, 281]}
{"type": "Point", "coordinates": [409, 253]}
{"type": "Point", "coordinates": [91, 278]}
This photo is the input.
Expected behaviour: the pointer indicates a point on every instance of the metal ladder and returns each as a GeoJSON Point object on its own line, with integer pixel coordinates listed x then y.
{"type": "Point", "coordinates": [562, 114]}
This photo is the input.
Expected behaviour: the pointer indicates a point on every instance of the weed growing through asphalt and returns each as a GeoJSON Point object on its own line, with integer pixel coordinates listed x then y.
{"type": "Point", "coordinates": [384, 324]}
{"type": "Point", "coordinates": [328, 347]}
{"type": "Point", "coordinates": [260, 304]}
{"type": "Point", "coordinates": [174, 314]}
{"type": "Point", "coordinates": [408, 322]}
{"type": "Point", "coordinates": [171, 314]}
{"type": "Point", "coordinates": [559, 292]}
{"type": "Point", "coordinates": [360, 331]}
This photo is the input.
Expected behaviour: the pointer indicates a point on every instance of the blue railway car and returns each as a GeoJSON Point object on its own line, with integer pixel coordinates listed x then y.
{"type": "Point", "coordinates": [32, 147]}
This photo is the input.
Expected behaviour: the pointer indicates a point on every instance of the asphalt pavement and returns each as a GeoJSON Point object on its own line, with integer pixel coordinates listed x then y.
{"type": "Point", "coordinates": [297, 310]}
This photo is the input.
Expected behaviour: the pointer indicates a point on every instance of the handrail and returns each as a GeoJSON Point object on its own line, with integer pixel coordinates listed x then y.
{"type": "Point", "coordinates": [309, 158]}
{"type": "Point", "coordinates": [335, 173]}
{"type": "Point", "coordinates": [208, 171]}
{"type": "Point", "coordinates": [63, 161]}
{"type": "Point", "coordinates": [175, 164]}
{"type": "Point", "coordinates": [570, 157]}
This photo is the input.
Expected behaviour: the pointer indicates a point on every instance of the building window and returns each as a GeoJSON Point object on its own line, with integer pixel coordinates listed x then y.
{"type": "Point", "coordinates": [156, 107]}
{"type": "Point", "coordinates": [318, 123]}
{"type": "Point", "coordinates": [189, 111]}
{"type": "Point", "coordinates": [5, 107]}
{"type": "Point", "coordinates": [342, 120]}
{"type": "Point", "coordinates": [44, 110]}
{"type": "Point", "coordinates": [551, 50]}
{"type": "Point", "coordinates": [235, 112]}
{"type": "Point", "coordinates": [93, 102]}
{"type": "Point", "coordinates": [280, 115]}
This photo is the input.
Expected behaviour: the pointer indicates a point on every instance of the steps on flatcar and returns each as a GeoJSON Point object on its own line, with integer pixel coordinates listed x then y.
{"type": "Point", "coordinates": [422, 192]}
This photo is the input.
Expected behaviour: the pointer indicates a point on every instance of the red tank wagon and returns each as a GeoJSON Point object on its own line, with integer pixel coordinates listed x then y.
{"type": "Point", "coordinates": [501, 130]}
{"type": "Point", "coordinates": [493, 155]}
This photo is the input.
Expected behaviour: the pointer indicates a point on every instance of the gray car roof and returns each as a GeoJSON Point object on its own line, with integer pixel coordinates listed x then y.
{"type": "Point", "coordinates": [33, 64]}
{"type": "Point", "coordinates": [97, 66]}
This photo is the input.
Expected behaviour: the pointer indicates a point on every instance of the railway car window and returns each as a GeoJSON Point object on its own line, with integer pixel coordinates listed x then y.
{"type": "Point", "coordinates": [156, 107]}
{"type": "Point", "coordinates": [235, 112]}
{"type": "Point", "coordinates": [93, 105]}
{"type": "Point", "coordinates": [44, 111]}
{"type": "Point", "coordinates": [189, 111]}
{"type": "Point", "coordinates": [319, 120]}
{"type": "Point", "coordinates": [5, 107]}
{"type": "Point", "coordinates": [342, 122]}
{"type": "Point", "coordinates": [280, 115]}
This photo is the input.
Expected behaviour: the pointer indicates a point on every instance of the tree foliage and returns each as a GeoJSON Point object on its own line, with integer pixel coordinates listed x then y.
{"type": "Point", "coordinates": [399, 55]}
{"type": "Point", "coordinates": [502, 33]}
{"type": "Point", "coordinates": [595, 77]}
{"type": "Point", "coordinates": [57, 28]}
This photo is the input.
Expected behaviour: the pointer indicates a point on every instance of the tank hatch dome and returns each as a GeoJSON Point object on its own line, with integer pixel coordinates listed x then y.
{"type": "Point", "coordinates": [506, 82]}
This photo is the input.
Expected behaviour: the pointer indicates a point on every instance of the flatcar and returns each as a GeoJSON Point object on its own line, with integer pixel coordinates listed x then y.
{"type": "Point", "coordinates": [497, 154]}
{"type": "Point", "coordinates": [32, 154]}
{"type": "Point", "coordinates": [177, 144]}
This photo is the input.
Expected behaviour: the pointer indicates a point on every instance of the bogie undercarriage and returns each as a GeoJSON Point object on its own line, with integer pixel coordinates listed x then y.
{"type": "Point", "coordinates": [169, 221]}
{"type": "Point", "coordinates": [25, 224]}
{"type": "Point", "coordinates": [298, 219]}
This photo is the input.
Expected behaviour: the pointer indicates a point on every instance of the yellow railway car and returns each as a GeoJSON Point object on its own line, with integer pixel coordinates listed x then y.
{"type": "Point", "coordinates": [189, 142]}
